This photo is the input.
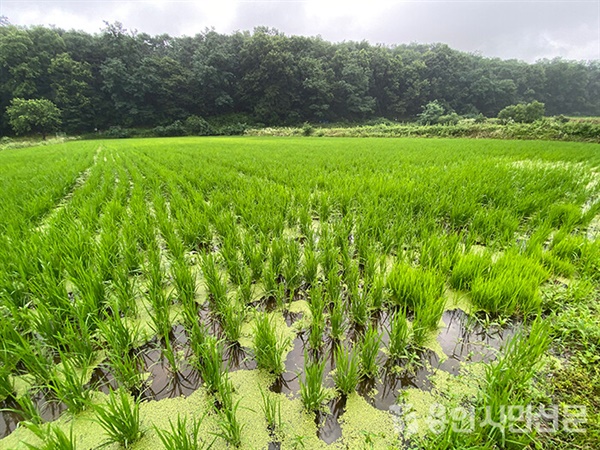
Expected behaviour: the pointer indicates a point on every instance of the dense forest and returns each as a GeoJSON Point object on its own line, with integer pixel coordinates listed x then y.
{"type": "Point", "coordinates": [131, 79]}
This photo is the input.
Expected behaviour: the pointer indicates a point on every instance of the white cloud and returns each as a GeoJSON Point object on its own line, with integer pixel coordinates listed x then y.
{"type": "Point", "coordinates": [527, 30]}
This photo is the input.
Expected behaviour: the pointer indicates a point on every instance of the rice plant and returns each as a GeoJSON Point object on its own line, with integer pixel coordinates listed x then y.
{"type": "Point", "coordinates": [121, 355]}
{"type": "Point", "coordinates": [268, 347]}
{"type": "Point", "coordinates": [230, 426]}
{"type": "Point", "coordinates": [511, 288]}
{"type": "Point", "coordinates": [185, 282]}
{"type": "Point", "coordinates": [120, 418]}
{"type": "Point", "coordinates": [411, 286]}
{"type": "Point", "coordinates": [215, 285]}
{"type": "Point", "coordinates": [337, 320]}
{"type": "Point", "coordinates": [52, 437]}
{"type": "Point", "coordinates": [507, 380]}
{"type": "Point", "coordinates": [347, 370]}
{"type": "Point", "coordinates": [368, 351]}
{"type": "Point", "coordinates": [399, 335]}
{"type": "Point", "coordinates": [312, 391]}
{"type": "Point", "coordinates": [28, 410]}
{"type": "Point", "coordinates": [311, 266]}
{"type": "Point", "coordinates": [6, 384]}
{"type": "Point", "coordinates": [181, 436]}
{"type": "Point", "coordinates": [468, 268]}
{"type": "Point", "coordinates": [359, 307]}
{"type": "Point", "coordinates": [271, 409]}
{"type": "Point", "coordinates": [70, 386]}
{"type": "Point", "coordinates": [428, 313]}
{"type": "Point", "coordinates": [232, 315]}
{"type": "Point", "coordinates": [210, 363]}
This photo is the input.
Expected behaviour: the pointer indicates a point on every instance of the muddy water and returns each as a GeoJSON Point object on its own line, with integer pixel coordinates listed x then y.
{"type": "Point", "coordinates": [47, 407]}
{"type": "Point", "coordinates": [461, 339]}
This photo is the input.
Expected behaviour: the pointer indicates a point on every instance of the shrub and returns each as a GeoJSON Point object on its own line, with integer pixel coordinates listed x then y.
{"type": "Point", "coordinates": [174, 129]}
{"type": "Point", "coordinates": [197, 126]}
{"type": "Point", "coordinates": [117, 132]}
{"type": "Point", "coordinates": [431, 114]}
{"type": "Point", "coordinates": [307, 129]}
{"type": "Point", "coordinates": [523, 112]}
{"type": "Point", "coordinates": [449, 119]}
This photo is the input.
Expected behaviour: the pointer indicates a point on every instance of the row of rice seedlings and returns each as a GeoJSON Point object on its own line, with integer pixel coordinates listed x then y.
{"type": "Point", "coordinates": [268, 346]}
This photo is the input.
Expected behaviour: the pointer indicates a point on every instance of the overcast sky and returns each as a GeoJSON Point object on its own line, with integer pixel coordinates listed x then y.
{"type": "Point", "coordinates": [526, 30]}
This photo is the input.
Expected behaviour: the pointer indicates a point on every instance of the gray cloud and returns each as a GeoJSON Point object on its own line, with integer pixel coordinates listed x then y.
{"type": "Point", "coordinates": [526, 30]}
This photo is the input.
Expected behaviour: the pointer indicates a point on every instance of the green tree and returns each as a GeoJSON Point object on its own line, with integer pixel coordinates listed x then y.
{"type": "Point", "coordinates": [431, 114]}
{"type": "Point", "coordinates": [37, 115]}
{"type": "Point", "coordinates": [71, 88]}
{"type": "Point", "coordinates": [523, 112]}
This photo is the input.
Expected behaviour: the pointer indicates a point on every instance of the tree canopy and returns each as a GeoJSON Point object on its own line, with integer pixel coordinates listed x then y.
{"type": "Point", "coordinates": [132, 79]}
{"type": "Point", "coordinates": [37, 115]}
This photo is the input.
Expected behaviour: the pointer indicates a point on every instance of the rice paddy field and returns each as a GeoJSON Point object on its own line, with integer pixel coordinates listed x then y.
{"type": "Point", "coordinates": [266, 293]}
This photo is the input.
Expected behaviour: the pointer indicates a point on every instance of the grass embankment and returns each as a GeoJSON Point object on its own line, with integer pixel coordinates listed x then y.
{"type": "Point", "coordinates": [585, 130]}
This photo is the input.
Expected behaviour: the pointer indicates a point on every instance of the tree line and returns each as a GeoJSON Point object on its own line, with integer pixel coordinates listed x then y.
{"type": "Point", "coordinates": [130, 79]}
